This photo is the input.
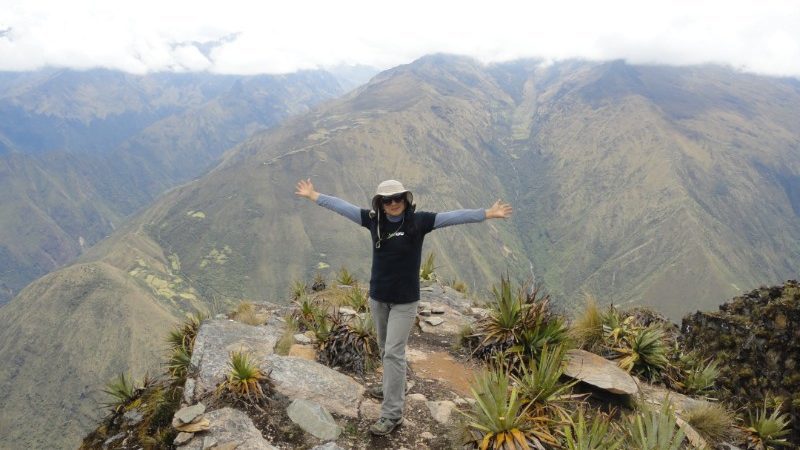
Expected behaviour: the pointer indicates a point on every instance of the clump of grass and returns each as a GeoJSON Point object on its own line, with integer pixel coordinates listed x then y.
{"type": "Point", "coordinates": [356, 299]}
{"type": "Point", "coordinates": [712, 421]}
{"type": "Point", "coordinates": [458, 285]}
{"type": "Point", "coordinates": [345, 278]}
{"type": "Point", "coordinates": [246, 313]}
{"type": "Point", "coordinates": [587, 328]}
{"type": "Point", "coordinates": [299, 289]}
{"type": "Point", "coordinates": [427, 270]}
{"type": "Point", "coordinates": [287, 339]}
{"type": "Point", "coordinates": [765, 431]}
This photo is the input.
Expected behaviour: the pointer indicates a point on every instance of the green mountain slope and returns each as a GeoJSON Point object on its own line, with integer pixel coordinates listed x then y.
{"type": "Point", "coordinates": [670, 187]}
{"type": "Point", "coordinates": [85, 150]}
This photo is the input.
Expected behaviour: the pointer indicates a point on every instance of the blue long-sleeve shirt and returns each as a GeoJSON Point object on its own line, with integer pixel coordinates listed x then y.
{"type": "Point", "coordinates": [443, 219]}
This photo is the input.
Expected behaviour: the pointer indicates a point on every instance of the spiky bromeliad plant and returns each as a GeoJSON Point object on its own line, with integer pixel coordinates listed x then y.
{"type": "Point", "coordinates": [350, 345]}
{"type": "Point", "coordinates": [766, 432]}
{"type": "Point", "coordinates": [184, 335]}
{"type": "Point", "coordinates": [122, 392]}
{"type": "Point", "coordinates": [357, 299]}
{"type": "Point", "coordinates": [539, 381]}
{"type": "Point", "coordinates": [644, 352]}
{"type": "Point", "coordinates": [599, 436]}
{"type": "Point", "coordinates": [245, 379]}
{"type": "Point", "coordinates": [427, 268]}
{"type": "Point", "coordinates": [179, 363]}
{"type": "Point", "coordinates": [652, 429]}
{"type": "Point", "coordinates": [345, 278]}
{"type": "Point", "coordinates": [519, 324]}
{"type": "Point", "coordinates": [498, 419]}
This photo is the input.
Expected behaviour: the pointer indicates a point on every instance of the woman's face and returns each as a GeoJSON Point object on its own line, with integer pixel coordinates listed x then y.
{"type": "Point", "coordinates": [394, 206]}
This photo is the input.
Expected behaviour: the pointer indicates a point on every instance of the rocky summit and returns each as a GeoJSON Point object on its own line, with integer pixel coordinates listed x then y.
{"type": "Point", "coordinates": [312, 406]}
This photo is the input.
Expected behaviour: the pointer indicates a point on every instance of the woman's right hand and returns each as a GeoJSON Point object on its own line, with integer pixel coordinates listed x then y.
{"type": "Point", "coordinates": [306, 189]}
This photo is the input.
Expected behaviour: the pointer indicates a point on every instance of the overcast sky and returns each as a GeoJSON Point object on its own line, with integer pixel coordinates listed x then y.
{"type": "Point", "coordinates": [246, 37]}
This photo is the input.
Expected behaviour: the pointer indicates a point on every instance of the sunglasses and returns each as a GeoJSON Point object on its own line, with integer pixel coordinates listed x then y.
{"type": "Point", "coordinates": [393, 199]}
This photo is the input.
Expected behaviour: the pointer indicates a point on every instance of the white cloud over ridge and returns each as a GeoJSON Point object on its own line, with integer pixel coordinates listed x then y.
{"type": "Point", "coordinates": [244, 37]}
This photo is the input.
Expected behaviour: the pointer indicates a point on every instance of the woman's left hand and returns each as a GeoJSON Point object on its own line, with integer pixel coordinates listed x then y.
{"type": "Point", "coordinates": [500, 210]}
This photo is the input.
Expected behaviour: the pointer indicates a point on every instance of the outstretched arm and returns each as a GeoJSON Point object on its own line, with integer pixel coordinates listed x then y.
{"type": "Point", "coordinates": [306, 189]}
{"type": "Point", "coordinates": [499, 210]}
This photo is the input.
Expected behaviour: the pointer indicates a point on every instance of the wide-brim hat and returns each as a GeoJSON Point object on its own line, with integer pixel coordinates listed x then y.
{"type": "Point", "coordinates": [390, 188]}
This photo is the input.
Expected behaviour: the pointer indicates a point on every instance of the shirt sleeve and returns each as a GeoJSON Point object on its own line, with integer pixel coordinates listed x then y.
{"type": "Point", "coordinates": [458, 217]}
{"type": "Point", "coordinates": [340, 206]}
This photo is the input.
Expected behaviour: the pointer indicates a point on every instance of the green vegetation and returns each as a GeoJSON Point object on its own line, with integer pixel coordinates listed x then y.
{"type": "Point", "coordinates": [345, 278]}
{"type": "Point", "coordinates": [600, 436]}
{"type": "Point", "coordinates": [712, 420]}
{"type": "Point", "coordinates": [498, 418]}
{"type": "Point", "coordinates": [122, 392]}
{"type": "Point", "coordinates": [245, 379]}
{"type": "Point", "coordinates": [299, 289]}
{"type": "Point", "coordinates": [767, 431]}
{"type": "Point", "coordinates": [699, 380]}
{"type": "Point", "coordinates": [427, 268]}
{"type": "Point", "coordinates": [652, 429]}
{"type": "Point", "coordinates": [350, 344]}
{"type": "Point", "coordinates": [587, 328]}
{"type": "Point", "coordinates": [357, 299]}
{"type": "Point", "coordinates": [246, 313]}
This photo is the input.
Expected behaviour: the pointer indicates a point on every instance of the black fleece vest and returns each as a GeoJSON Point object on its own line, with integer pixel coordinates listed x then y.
{"type": "Point", "coordinates": [395, 265]}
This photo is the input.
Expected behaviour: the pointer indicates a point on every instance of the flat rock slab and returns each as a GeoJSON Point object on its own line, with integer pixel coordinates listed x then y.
{"type": "Point", "coordinates": [229, 427]}
{"type": "Point", "coordinates": [599, 372]}
{"type": "Point", "coordinates": [314, 419]}
{"type": "Point", "coordinates": [300, 378]}
{"type": "Point", "coordinates": [655, 395]}
{"type": "Point", "coordinates": [218, 338]}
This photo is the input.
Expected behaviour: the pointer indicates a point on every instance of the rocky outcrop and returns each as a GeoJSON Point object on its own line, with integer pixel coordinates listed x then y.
{"type": "Point", "coordinates": [756, 338]}
{"type": "Point", "coordinates": [217, 339]}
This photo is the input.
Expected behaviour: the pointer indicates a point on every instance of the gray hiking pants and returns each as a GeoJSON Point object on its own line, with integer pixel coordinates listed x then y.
{"type": "Point", "coordinates": [393, 322]}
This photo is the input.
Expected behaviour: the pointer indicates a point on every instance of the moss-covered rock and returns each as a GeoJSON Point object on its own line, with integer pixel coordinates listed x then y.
{"type": "Point", "coordinates": [759, 336]}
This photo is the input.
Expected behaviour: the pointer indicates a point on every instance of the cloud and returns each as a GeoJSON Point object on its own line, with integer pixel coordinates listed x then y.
{"type": "Point", "coordinates": [237, 36]}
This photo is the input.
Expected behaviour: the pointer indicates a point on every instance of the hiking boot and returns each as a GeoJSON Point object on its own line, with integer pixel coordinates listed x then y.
{"type": "Point", "coordinates": [376, 391]}
{"type": "Point", "coordinates": [384, 426]}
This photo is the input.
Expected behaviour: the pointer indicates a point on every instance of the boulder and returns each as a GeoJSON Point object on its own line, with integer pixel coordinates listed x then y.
{"type": "Point", "coordinates": [441, 411]}
{"type": "Point", "coordinates": [218, 338]}
{"type": "Point", "coordinates": [229, 427]}
{"type": "Point", "coordinates": [300, 378]}
{"type": "Point", "coordinates": [599, 372]}
{"type": "Point", "coordinates": [314, 419]}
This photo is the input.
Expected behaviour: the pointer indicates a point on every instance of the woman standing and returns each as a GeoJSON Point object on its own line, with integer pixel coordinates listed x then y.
{"type": "Point", "coordinates": [397, 234]}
